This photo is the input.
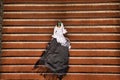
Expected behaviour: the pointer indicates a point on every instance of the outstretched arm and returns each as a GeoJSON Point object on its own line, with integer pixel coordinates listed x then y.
{"type": "Point", "coordinates": [63, 29]}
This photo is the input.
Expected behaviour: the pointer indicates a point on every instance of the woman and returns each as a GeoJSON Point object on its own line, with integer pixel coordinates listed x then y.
{"type": "Point", "coordinates": [56, 56]}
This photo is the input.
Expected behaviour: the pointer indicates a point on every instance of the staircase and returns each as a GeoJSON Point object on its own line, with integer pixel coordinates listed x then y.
{"type": "Point", "coordinates": [93, 27]}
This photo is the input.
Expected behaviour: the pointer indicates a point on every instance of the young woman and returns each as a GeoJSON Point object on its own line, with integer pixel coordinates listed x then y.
{"type": "Point", "coordinates": [56, 55]}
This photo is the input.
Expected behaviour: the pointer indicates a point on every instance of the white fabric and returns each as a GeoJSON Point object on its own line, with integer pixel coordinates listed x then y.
{"type": "Point", "coordinates": [59, 34]}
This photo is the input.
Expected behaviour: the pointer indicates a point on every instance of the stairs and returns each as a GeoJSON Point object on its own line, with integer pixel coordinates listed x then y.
{"type": "Point", "coordinates": [93, 27]}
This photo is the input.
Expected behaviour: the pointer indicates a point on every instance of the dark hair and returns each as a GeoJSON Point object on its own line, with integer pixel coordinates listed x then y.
{"type": "Point", "coordinates": [59, 23]}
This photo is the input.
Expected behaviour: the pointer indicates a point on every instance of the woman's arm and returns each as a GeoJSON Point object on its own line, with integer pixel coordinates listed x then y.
{"type": "Point", "coordinates": [63, 29]}
{"type": "Point", "coordinates": [54, 33]}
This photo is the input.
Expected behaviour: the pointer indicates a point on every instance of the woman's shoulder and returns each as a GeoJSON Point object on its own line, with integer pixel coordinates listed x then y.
{"type": "Point", "coordinates": [58, 28]}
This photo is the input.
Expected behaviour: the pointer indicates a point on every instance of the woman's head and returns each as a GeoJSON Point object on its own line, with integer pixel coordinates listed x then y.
{"type": "Point", "coordinates": [59, 24]}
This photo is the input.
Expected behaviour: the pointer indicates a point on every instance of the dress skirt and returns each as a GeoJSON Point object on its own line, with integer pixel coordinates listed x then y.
{"type": "Point", "coordinates": [55, 57]}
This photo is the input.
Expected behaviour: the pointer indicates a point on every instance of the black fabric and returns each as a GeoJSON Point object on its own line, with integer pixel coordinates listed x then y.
{"type": "Point", "coordinates": [56, 58]}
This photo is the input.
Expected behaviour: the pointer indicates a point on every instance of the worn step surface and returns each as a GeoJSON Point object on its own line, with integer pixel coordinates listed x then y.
{"type": "Point", "coordinates": [93, 28]}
